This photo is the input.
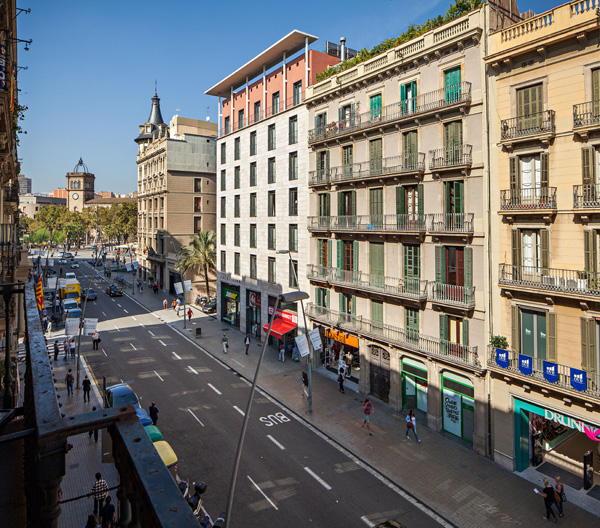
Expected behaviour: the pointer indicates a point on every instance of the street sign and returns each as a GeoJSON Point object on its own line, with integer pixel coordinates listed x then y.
{"type": "Point", "coordinates": [302, 344]}
{"type": "Point", "coordinates": [128, 266]}
{"type": "Point", "coordinates": [178, 288]}
{"type": "Point", "coordinates": [187, 285]}
{"type": "Point", "coordinates": [52, 283]}
{"type": "Point", "coordinates": [136, 265]}
{"type": "Point", "coordinates": [315, 337]}
{"type": "Point", "coordinates": [89, 326]}
{"type": "Point", "coordinates": [72, 326]}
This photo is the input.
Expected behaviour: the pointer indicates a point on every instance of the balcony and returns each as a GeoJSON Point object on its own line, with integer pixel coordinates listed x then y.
{"type": "Point", "coordinates": [11, 193]}
{"type": "Point", "coordinates": [528, 200]}
{"type": "Point", "coordinates": [385, 167]}
{"type": "Point", "coordinates": [586, 118]}
{"type": "Point", "coordinates": [581, 284]}
{"type": "Point", "coordinates": [413, 289]}
{"type": "Point", "coordinates": [450, 295]}
{"type": "Point", "coordinates": [451, 223]}
{"type": "Point", "coordinates": [451, 97]}
{"type": "Point", "coordinates": [407, 339]}
{"type": "Point", "coordinates": [586, 196]}
{"type": "Point", "coordinates": [537, 374]}
{"type": "Point", "coordinates": [451, 158]}
{"type": "Point", "coordinates": [533, 127]}
{"type": "Point", "coordinates": [404, 223]}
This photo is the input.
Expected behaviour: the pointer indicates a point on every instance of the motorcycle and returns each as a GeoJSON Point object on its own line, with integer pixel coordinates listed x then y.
{"type": "Point", "coordinates": [195, 502]}
{"type": "Point", "coordinates": [184, 486]}
{"type": "Point", "coordinates": [201, 300]}
{"type": "Point", "coordinates": [220, 521]}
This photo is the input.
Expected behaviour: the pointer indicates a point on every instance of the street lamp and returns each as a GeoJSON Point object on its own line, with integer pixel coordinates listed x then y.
{"type": "Point", "coordinates": [309, 357]}
{"type": "Point", "coordinates": [286, 298]}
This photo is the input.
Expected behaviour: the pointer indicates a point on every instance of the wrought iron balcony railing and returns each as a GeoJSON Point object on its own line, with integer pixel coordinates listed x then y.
{"type": "Point", "coordinates": [551, 279]}
{"type": "Point", "coordinates": [451, 222]}
{"type": "Point", "coordinates": [406, 288]}
{"type": "Point", "coordinates": [421, 104]}
{"type": "Point", "coordinates": [586, 114]}
{"type": "Point", "coordinates": [460, 296]}
{"type": "Point", "coordinates": [586, 196]}
{"type": "Point", "coordinates": [11, 193]}
{"type": "Point", "coordinates": [393, 223]}
{"type": "Point", "coordinates": [528, 125]}
{"type": "Point", "coordinates": [524, 199]}
{"type": "Point", "coordinates": [7, 236]}
{"type": "Point", "coordinates": [408, 339]}
{"type": "Point", "coordinates": [448, 157]}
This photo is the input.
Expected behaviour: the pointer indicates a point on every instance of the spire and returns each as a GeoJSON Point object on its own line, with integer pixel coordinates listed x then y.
{"type": "Point", "coordinates": [155, 115]}
{"type": "Point", "coordinates": [154, 120]}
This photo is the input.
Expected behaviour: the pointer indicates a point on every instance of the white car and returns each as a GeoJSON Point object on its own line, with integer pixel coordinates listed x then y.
{"type": "Point", "coordinates": [69, 304]}
{"type": "Point", "coordinates": [70, 275]}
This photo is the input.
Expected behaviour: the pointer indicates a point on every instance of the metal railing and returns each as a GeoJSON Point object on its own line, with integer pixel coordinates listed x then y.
{"type": "Point", "coordinates": [423, 103]}
{"type": "Point", "coordinates": [528, 125]}
{"type": "Point", "coordinates": [586, 114]}
{"type": "Point", "coordinates": [528, 198]}
{"type": "Point", "coordinates": [407, 288]}
{"type": "Point", "coordinates": [551, 279]}
{"type": "Point", "coordinates": [586, 196]}
{"type": "Point", "coordinates": [394, 223]}
{"type": "Point", "coordinates": [537, 373]}
{"type": "Point", "coordinates": [447, 157]}
{"type": "Point", "coordinates": [11, 193]}
{"type": "Point", "coordinates": [449, 294]}
{"type": "Point", "coordinates": [7, 236]}
{"type": "Point", "coordinates": [408, 339]}
{"type": "Point", "coordinates": [451, 222]}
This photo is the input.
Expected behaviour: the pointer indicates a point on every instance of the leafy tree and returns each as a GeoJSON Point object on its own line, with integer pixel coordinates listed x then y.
{"type": "Point", "coordinates": [199, 255]}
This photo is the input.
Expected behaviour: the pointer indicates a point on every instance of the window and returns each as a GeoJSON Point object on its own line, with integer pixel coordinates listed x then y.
{"type": "Point", "coordinates": [252, 143]}
{"type": "Point", "coordinates": [236, 206]}
{"type": "Point", "coordinates": [322, 164]}
{"type": "Point", "coordinates": [293, 274]}
{"type": "Point", "coordinates": [293, 238]}
{"type": "Point", "coordinates": [223, 261]}
{"type": "Point", "coordinates": [590, 164]}
{"type": "Point", "coordinates": [324, 248]}
{"type": "Point", "coordinates": [223, 153]}
{"type": "Point", "coordinates": [297, 93]}
{"type": "Point", "coordinates": [253, 266]}
{"type": "Point", "coordinates": [412, 267]}
{"type": "Point", "coordinates": [227, 125]}
{"type": "Point", "coordinates": [454, 191]}
{"type": "Point", "coordinates": [347, 303]}
{"type": "Point", "coordinates": [454, 333]}
{"type": "Point", "coordinates": [197, 204]}
{"type": "Point", "coordinates": [236, 178]}
{"type": "Point", "coordinates": [293, 166]}
{"type": "Point", "coordinates": [223, 180]}
{"type": "Point", "coordinates": [271, 211]}
{"type": "Point", "coordinates": [320, 123]}
{"type": "Point", "coordinates": [241, 122]}
{"type": "Point", "coordinates": [409, 206]}
{"type": "Point", "coordinates": [410, 150]}
{"type": "Point", "coordinates": [223, 237]}
{"type": "Point", "coordinates": [197, 185]}
{"type": "Point", "coordinates": [271, 140]}
{"type": "Point", "coordinates": [236, 235]}
{"type": "Point", "coordinates": [377, 316]}
{"type": "Point", "coordinates": [347, 203]}
{"type": "Point", "coordinates": [376, 206]}
{"type": "Point", "coordinates": [375, 156]}
{"type": "Point", "coordinates": [236, 263]}
{"type": "Point", "coordinates": [322, 297]}
{"type": "Point", "coordinates": [452, 85]}
{"type": "Point", "coordinates": [530, 105]}
{"type": "Point", "coordinates": [347, 160]}
{"type": "Point", "coordinates": [256, 113]}
{"type": "Point", "coordinates": [271, 171]}
{"type": "Point", "coordinates": [293, 205]}
{"type": "Point", "coordinates": [324, 204]}
{"type": "Point", "coordinates": [530, 252]}
{"type": "Point", "coordinates": [411, 323]}
{"type": "Point", "coordinates": [453, 142]}
{"type": "Point", "coordinates": [375, 107]}
{"type": "Point", "coordinates": [534, 333]}
{"type": "Point", "coordinates": [197, 224]}
{"type": "Point", "coordinates": [253, 204]}
{"type": "Point", "coordinates": [252, 235]}
{"type": "Point", "coordinates": [236, 149]}
{"type": "Point", "coordinates": [293, 130]}
{"type": "Point", "coordinates": [271, 270]}
{"type": "Point", "coordinates": [223, 211]}
{"type": "Point", "coordinates": [346, 116]}
{"type": "Point", "coordinates": [408, 98]}
{"type": "Point", "coordinates": [529, 181]}
{"type": "Point", "coordinates": [275, 103]}
{"type": "Point", "coordinates": [271, 236]}
{"type": "Point", "coordinates": [253, 174]}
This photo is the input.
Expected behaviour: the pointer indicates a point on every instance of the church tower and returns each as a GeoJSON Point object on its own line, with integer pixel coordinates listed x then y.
{"type": "Point", "coordinates": [80, 186]}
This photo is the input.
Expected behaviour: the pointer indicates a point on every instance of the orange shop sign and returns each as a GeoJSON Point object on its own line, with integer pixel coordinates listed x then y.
{"type": "Point", "coordinates": [346, 339]}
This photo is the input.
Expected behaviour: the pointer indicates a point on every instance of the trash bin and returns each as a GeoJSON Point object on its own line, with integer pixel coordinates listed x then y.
{"type": "Point", "coordinates": [198, 332]}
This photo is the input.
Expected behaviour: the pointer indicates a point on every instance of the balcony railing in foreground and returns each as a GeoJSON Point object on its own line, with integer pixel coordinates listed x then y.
{"type": "Point", "coordinates": [448, 294]}
{"type": "Point", "coordinates": [527, 125]}
{"type": "Point", "coordinates": [586, 196]}
{"type": "Point", "coordinates": [528, 198]}
{"type": "Point", "coordinates": [408, 339]}
{"type": "Point", "coordinates": [586, 114]}
{"type": "Point", "coordinates": [551, 279]}
{"type": "Point", "coordinates": [412, 223]}
{"type": "Point", "coordinates": [563, 372]}
{"type": "Point", "coordinates": [405, 288]}
{"type": "Point", "coordinates": [448, 157]}
{"type": "Point", "coordinates": [451, 222]}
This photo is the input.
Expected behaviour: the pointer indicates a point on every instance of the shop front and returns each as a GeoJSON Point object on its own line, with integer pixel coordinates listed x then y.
{"type": "Point", "coordinates": [458, 406]}
{"type": "Point", "coordinates": [253, 314]}
{"type": "Point", "coordinates": [230, 304]}
{"type": "Point", "coordinates": [414, 384]}
{"type": "Point", "coordinates": [283, 329]}
{"type": "Point", "coordinates": [341, 350]}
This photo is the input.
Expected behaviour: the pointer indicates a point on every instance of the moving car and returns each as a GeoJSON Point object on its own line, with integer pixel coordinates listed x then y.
{"type": "Point", "coordinates": [70, 275]}
{"type": "Point", "coordinates": [69, 304]}
{"type": "Point", "coordinates": [90, 294]}
{"type": "Point", "coordinates": [210, 307]}
{"type": "Point", "coordinates": [114, 291]}
{"type": "Point", "coordinates": [74, 265]}
{"type": "Point", "coordinates": [67, 255]}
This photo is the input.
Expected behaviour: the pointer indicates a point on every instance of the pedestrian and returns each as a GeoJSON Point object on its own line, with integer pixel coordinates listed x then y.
{"type": "Point", "coordinates": [91, 522]}
{"type": "Point", "coordinates": [50, 326]}
{"type": "Point", "coordinates": [93, 431]}
{"type": "Point", "coordinates": [153, 413]}
{"type": "Point", "coordinates": [548, 495]}
{"type": "Point", "coordinates": [44, 323]}
{"type": "Point", "coordinates": [178, 303]}
{"type": "Point", "coordinates": [95, 340]}
{"type": "Point", "coordinates": [341, 381]}
{"type": "Point", "coordinates": [304, 378]}
{"type": "Point", "coordinates": [56, 350]}
{"type": "Point", "coordinates": [165, 304]}
{"type": "Point", "coordinates": [224, 343]}
{"type": "Point", "coordinates": [189, 315]}
{"type": "Point", "coordinates": [66, 349]}
{"type": "Point", "coordinates": [156, 288]}
{"type": "Point", "coordinates": [108, 515]}
{"type": "Point", "coordinates": [174, 305]}
{"type": "Point", "coordinates": [247, 343]}
{"type": "Point", "coordinates": [69, 381]}
{"type": "Point", "coordinates": [560, 490]}
{"type": "Point", "coordinates": [411, 423]}
{"type": "Point", "coordinates": [281, 353]}
{"type": "Point", "coordinates": [57, 305]}
{"type": "Point", "coordinates": [368, 410]}
{"type": "Point", "coordinates": [86, 385]}
{"type": "Point", "coordinates": [72, 347]}
{"type": "Point", "coordinates": [141, 287]}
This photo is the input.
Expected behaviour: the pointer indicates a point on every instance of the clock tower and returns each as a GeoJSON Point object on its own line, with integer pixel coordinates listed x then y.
{"type": "Point", "coordinates": [80, 186]}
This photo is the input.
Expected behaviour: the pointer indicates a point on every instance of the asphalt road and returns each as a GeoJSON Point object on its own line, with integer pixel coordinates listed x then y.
{"type": "Point", "coordinates": [289, 474]}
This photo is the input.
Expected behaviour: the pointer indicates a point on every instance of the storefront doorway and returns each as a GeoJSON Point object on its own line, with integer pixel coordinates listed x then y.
{"type": "Point", "coordinates": [380, 373]}
{"type": "Point", "coordinates": [341, 351]}
{"type": "Point", "coordinates": [230, 303]}
{"type": "Point", "coordinates": [414, 384]}
{"type": "Point", "coordinates": [458, 406]}
{"type": "Point", "coordinates": [253, 314]}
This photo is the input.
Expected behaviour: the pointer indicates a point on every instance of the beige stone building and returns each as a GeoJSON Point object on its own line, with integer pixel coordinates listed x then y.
{"type": "Point", "coordinates": [544, 75]}
{"type": "Point", "coordinates": [176, 192]}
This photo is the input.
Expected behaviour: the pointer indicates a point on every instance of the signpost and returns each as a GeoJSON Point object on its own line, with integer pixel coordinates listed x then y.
{"type": "Point", "coordinates": [302, 344]}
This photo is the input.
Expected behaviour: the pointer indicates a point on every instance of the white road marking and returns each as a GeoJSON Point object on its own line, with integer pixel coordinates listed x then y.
{"type": "Point", "coordinates": [132, 346]}
{"type": "Point", "coordinates": [176, 356]}
{"type": "Point", "coordinates": [104, 353]}
{"type": "Point", "coordinates": [118, 305]}
{"type": "Point", "coordinates": [158, 376]}
{"type": "Point", "coordinates": [215, 389]}
{"type": "Point", "coordinates": [276, 442]}
{"type": "Point", "coordinates": [190, 411]}
{"type": "Point", "coordinates": [239, 410]}
{"type": "Point", "coordinates": [150, 333]}
{"type": "Point", "coordinates": [262, 493]}
{"type": "Point", "coordinates": [133, 317]}
{"type": "Point", "coordinates": [125, 310]}
{"type": "Point", "coordinates": [103, 314]}
{"type": "Point", "coordinates": [117, 328]}
{"type": "Point", "coordinates": [193, 370]}
{"type": "Point", "coordinates": [142, 325]}
{"type": "Point", "coordinates": [317, 478]}
{"type": "Point", "coordinates": [367, 522]}
{"type": "Point", "coordinates": [160, 341]}
{"type": "Point", "coordinates": [113, 300]}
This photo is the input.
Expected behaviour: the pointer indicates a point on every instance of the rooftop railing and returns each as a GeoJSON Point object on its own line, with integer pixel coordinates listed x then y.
{"type": "Point", "coordinates": [527, 198]}
{"type": "Point", "coordinates": [586, 196]}
{"type": "Point", "coordinates": [528, 125]}
{"type": "Point", "coordinates": [448, 157]}
{"type": "Point", "coordinates": [451, 222]}
{"type": "Point", "coordinates": [586, 114]}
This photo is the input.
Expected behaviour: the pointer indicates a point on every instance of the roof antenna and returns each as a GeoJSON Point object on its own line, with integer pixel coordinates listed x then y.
{"type": "Point", "coordinates": [155, 87]}
{"type": "Point", "coordinates": [208, 113]}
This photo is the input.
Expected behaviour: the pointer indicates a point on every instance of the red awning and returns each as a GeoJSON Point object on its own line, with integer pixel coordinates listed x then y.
{"type": "Point", "coordinates": [280, 327]}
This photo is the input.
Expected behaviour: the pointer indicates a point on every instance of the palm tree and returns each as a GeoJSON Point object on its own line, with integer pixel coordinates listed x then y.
{"type": "Point", "coordinates": [199, 255]}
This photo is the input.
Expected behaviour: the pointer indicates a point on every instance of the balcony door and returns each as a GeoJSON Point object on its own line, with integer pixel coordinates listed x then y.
{"type": "Point", "coordinates": [376, 208]}
{"type": "Point", "coordinates": [454, 333]}
{"type": "Point", "coordinates": [410, 150]}
{"type": "Point", "coordinates": [412, 268]}
{"type": "Point", "coordinates": [454, 203]}
{"type": "Point", "coordinates": [376, 264]}
{"type": "Point", "coordinates": [530, 104]}
{"type": "Point", "coordinates": [347, 160]}
{"type": "Point", "coordinates": [452, 85]}
{"type": "Point", "coordinates": [375, 156]}
{"type": "Point", "coordinates": [408, 98]}
{"type": "Point", "coordinates": [346, 115]}
{"type": "Point", "coordinates": [453, 143]}
{"type": "Point", "coordinates": [533, 334]}
{"type": "Point", "coordinates": [347, 209]}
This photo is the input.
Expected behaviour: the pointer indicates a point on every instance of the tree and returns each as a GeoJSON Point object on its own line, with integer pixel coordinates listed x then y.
{"type": "Point", "coordinates": [199, 255]}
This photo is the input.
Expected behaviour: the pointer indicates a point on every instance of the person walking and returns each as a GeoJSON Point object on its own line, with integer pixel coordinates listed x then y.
{"type": "Point", "coordinates": [153, 411]}
{"type": "Point", "coordinates": [72, 347]}
{"type": "Point", "coordinates": [548, 495]}
{"type": "Point", "coordinates": [247, 343]}
{"type": "Point", "coordinates": [93, 431]}
{"type": "Point", "coordinates": [56, 350]}
{"type": "Point", "coordinates": [141, 287]}
{"type": "Point", "coordinates": [95, 340]}
{"type": "Point", "coordinates": [368, 410]}
{"type": "Point", "coordinates": [69, 381]}
{"type": "Point", "coordinates": [165, 304]}
{"type": "Point", "coordinates": [86, 385]}
{"type": "Point", "coordinates": [108, 515]}
{"type": "Point", "coordinates": [99, 492]}
{"type": "Point", "coordinates": [189, 313]}
{"type": "Point", "coordinates": [57, 305]}
{"type": "Point", "coordinates": [340, 379]}
{"type": "Point", "coordinates": [282, 353]}
{"type": "Point", "coordinates": [224, 343]}
{"type": "Point", "coordinates": [411, 423]}
{"type": "Point", "coordinates": [49, 327]}
{"type": "Point", "coordinates": [304, 378]}
{"type": "Point", "coordinates": [174, 305]}
{"type": "Point", "coordinates": [66, 349]}
{"type": "Point", "coordinates": [560, 490]}
{"type": "Point", "coordinates": [178, 303]}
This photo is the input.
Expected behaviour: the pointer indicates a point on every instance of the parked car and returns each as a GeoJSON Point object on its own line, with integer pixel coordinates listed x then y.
{"type": "Point", "coordinates": [122, 394]}
{"type": "Point", "coordinates": [67, 255]}
{"type": "Point", "coordinates": [90, 294]}
{"type": "Point", "coordinates": [114, 291]}
{"type": "Point", "coordinates": [210, 307]}
{"type": "Point", "coordinates": [69, 304]}
{"type": "Point", "coordinates": [74, 265]}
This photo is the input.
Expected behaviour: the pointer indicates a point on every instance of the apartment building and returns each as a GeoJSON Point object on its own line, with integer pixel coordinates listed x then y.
{"type": "Point", "coordinates": [263, 190]}
{"type": "Point", "coordinates": [176, 192]}
{"type": "Point", "coordinates": [545, 388]}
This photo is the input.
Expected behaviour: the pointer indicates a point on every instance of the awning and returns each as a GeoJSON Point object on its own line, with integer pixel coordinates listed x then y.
{"type": "Point", "coordinates": [280, 327]}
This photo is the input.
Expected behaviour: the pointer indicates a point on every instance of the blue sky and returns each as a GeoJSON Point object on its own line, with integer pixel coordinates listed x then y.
{"type": "Point", "coordinates": [92, 67]}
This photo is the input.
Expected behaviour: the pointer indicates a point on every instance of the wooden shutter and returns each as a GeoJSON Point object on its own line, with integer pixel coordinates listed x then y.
{"type": "Point", "coordinates": [544, 169]}
{"type": "Point", "coordinates": [329, 251]}
{"type": "Point", "coordinates": [537, 102]}
{"type": "Point", "coordinates": [444, 327]}
{"type": "Point", "coordinates": [355, 255]}
{"type": "Point", "coordinates": [327, 299]}
{"type": "Point", "coordinates": [588, 166]}
{"type": "Point", "coordinates": [341, 204]}
{"type": "Point", "coordinates": [440, 264]}
{"type": "Point", "coordinates": [353, 305]}
{"type": "Point", "coordinates": [585, 359]}
{"type": "Point", "coordinates": [545, 248]}
{"type": "Point", "coordinates": [403, 92]}
{"type": "Point", "coordinates": [468, 268]}
{"type": "Point", "coordinates": [340, 254]}
{"type": "Point", "coordinates": [341, 304]}
{"type": "Point", "coordinates": [591, 332]}
{"type": "Point", "coordinates": [596, 85]}
{"type": "Point", "coordinates": [353, 202]}
{"type": "Point", "coordinates": [400, 203]}
{"type": "Point", "coordinates": [516, 247]}
{"type": "Point", "coordinates": [321, 249]}
{"type": "Point", "coordinates": [522, 102]}
{"type": "Point", "coordinates": [420, 199]}
{"type": "Point", "coordinates": [465, 332]}
{"type": "Point", "coordinates": [551, 337]}
{"type": "Point", "coordinates": [589, 251]}
{"type": "Point", "coordinates": [515, 168]}
{"type": "Point", "coordinates": [341, 114]}
{"type": "Point", "coordinates": [515, 330]}
{"type": "Point", "coordinates": [459, 187]}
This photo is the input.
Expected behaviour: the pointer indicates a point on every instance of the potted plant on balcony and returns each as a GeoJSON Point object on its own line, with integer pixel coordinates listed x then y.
{"type": "Point", "coordinates": [499, 341]}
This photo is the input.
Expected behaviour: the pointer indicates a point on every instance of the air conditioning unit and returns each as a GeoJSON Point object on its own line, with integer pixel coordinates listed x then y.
{"type": "Point", "coordinates": [553, 282]}
{"type": "Point", "coordinates": [576, 284]}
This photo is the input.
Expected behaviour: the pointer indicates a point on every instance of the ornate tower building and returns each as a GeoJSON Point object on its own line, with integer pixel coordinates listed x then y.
{"type": "Point", "coordinates": [80, 186]}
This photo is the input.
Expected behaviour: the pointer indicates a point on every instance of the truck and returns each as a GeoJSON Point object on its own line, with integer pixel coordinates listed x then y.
{"type": "Point", "coordinates": [69, 289]}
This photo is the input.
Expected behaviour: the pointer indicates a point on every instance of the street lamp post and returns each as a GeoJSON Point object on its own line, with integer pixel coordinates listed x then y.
{"type": "Point", "coordinates": [182, 285]}
{"type": "Point", "coordinates": [285, 297]}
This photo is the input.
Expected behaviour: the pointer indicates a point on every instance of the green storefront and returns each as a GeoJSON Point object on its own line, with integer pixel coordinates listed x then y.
{"type": "Point", "coordinates": [230, 305]}
{"type": "Point", "coordinates": [414, 384]}
{"type": "Point", "coordinates": [458, 406]}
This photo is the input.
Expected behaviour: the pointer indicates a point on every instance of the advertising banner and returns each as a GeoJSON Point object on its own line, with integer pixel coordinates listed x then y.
{"type": "Point", "coordinates": [72, 326]}
{"type": "Point", "coordinates": [579, 379]}
{"type": "Point", "coordinates": [128, 266]}
{"type": "Point", "coordinates": [452, 413]}
{"type": "Point", "coordinates": [302, 344]}
{"type": "Point", "coordinates": [178, 288]}
{"type": "Point", "coordinates": [550, 372]}
{"type": "Point", "coordinates": [525, 364]}
{"type": "Point", "coordinates": [52, 283]}
{"type": "Point", "coordinates": [502, 357]}
{"type": "Point", "coordinates": [315, 337]}
{"type": "Point", "coordinates": [187, 285]}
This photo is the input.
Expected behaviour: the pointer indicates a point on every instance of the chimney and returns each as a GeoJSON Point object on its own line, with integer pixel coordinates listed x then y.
{"type": "Point", "coordinates": [343, 49]}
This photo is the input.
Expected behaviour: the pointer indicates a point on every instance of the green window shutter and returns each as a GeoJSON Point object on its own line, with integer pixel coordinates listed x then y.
{"type": "Point", "coordinates": [327, 299]}
{"type": "Point", "coordinates": [341, 207]}
{"type": "Point", "coordinates": [355, 255]}
{"type": "Point", "coordinates": [403, 92]}
{"type": "Point", "coordinates": [353, 197]}
{"type": "Point", "coordinates": [596, 85]}
{"type": "Point", "coordinates": [400, 204]}
{"type": "Point", "coordinates": [353, 307]}
{"type": "Point", "coordinates": [516, 247]}
{"type": "Point", "coordinates": [448, 189]}
{"type": "Point", "coordinates": [537, 101]}
{"type": "Point", "coordinates": [444, 327]}
{"type": "Point", "coordinates": [590, 251]}
{"type": "Point", "coordinates": [522, 102]}
{"type": "Point", "coordinates": [321, 242]}
{"type": "Point", "coordinates": [327, 161]}
{"type": "Point", "coordinates": [465, 332]}
{"type": "Point", "coordinates": [544, 173]}
{"type": "Point", "coordinates": [417, 262]}
{"type": "Point", "coordinates": [551, 337]}
{"type": "Point", "coordinates": [341, 114]}
{"type": "Point", "coordinates": [545, 248]}
{"type": "Point", "coordinates": [341, 306]}
{"type": "Point", "coordinates": [591, 332]}
{"type": "Point", "coordinates": [329, 250]}
{"type": "Point", "coordinates": [587, 165]}
{"type": "Point", "coordinates": [514, 172]}
{"type": "Point", "coordinates": [585, 359]}
{"type": "Point", "coordinates": [420, 197]}
{"type": "Point", "coordinates": [340, 254]}
{"type": "Point", "coordinates": [468, 269]}
{"type": "Point", "coordinates": [515, 330]}
{"type": "Point", "coordinates": [440, 264]}
{"type": "Point", "coordinates": [459, 187]}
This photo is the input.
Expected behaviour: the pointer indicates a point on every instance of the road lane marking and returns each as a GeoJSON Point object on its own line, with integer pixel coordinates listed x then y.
{"type": "Point", "coordinates": [161, 342]}
{"type": "Point", "coordinates": [367, 522]}
{"type": "Point", "coordinates": [190, 411]}
{"type": "Point", "coordinates": [125, 310]}
{"type": "Point", "coordinates": [215, 389]}
{"type": "Point", "coordinates": [132, 346]}
{"type": "Point", "coordinates": [103, 314]}
{"type": "Point", "coordinates": [276, 442]}
{"type": "Point", "coordinates": [118, 305]}
{"type": "Point", "coordinates": [158, 376]}
{"type": "Point", "coordinates": [150, 333]}
{"type": "Point", "coordinates": [193, 370]}
{"type": "Point", "coordinates": [133, 317]}
{"type": "Point", "coordinates": [142, 325]}
{"type": "Point", "coordinates": [117, 328]}
{"type": "Point", "coordinates": [317, 478]}
{"type": "Point", "coordinates": [176, 356]}
{"type": "Point", "coordinates": [262, 493]}
{"type": "Point", "coordinates": [239, 410]}
{"type": "Point", "coordinates": [104, 353]}
{"type": "Point", "coordinates": [113, 300]}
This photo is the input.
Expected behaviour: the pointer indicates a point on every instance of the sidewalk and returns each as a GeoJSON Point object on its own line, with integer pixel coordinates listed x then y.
{"type": "Point", "coordinates": [467, 489]}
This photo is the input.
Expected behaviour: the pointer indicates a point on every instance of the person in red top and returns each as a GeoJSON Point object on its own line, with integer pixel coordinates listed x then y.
{"type": "Point", "coordinates": [189, 314]}
{"type": "Point", "coordinates": [368, 411]}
